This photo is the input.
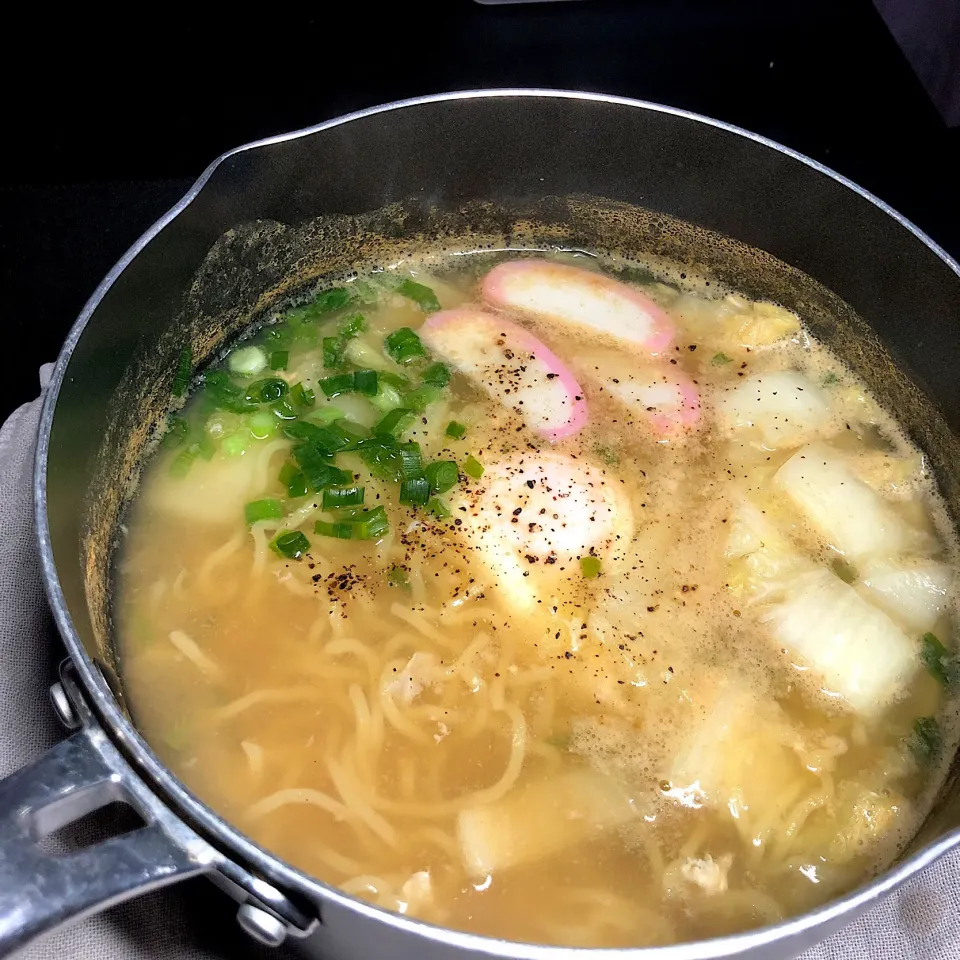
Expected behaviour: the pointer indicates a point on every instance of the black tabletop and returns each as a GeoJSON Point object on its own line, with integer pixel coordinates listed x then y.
{"type": "Point", "coordinates": [124, 122]}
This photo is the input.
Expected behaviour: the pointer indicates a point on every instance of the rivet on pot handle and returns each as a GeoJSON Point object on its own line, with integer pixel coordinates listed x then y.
{"type": "Point", "coordinates": [40, 891]}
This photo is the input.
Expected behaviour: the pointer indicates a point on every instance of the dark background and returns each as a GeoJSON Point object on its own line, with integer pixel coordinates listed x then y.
{"type": "Point", "coordinates": [108, 122]}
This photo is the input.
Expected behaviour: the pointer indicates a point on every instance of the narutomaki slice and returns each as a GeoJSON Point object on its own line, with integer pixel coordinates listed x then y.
{"type": "Point", "coordinates": [512, 366]}
{"type": "Point", "coordinates": [582, 299]}
{"type": "Point", "coordinates": [657, 392]}
{"type": "Point", "coordinates": [666, 397]}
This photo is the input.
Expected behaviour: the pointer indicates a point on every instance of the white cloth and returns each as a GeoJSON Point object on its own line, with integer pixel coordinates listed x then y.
{"type": "Point", "coordinates": [195, 922]}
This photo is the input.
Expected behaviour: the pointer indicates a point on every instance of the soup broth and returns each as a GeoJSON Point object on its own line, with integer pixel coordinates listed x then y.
{"type": "Point", "coordinates": [521, 596]}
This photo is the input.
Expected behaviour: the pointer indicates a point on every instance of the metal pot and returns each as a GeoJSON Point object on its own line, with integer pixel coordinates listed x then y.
{"type": "Point", "coordinates": [455, 153]}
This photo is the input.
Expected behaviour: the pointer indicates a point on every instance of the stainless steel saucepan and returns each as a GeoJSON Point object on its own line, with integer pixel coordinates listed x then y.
{"type": "Point", "coordinates": [525, 164]}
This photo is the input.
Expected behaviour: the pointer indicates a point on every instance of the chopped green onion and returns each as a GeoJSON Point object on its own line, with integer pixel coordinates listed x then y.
{"type": "Point", "coordinates": [340, 529]}
{"type": "Point", "coordinates": [829, 379]}
{"type": "Point", "coordinates": [332, 352]}
{"type": "Point", "coordinates": [941, 666]}
{"type": "Point", "coordinates": [330, 477]}
{"type": "Point", "coordinates": [221, 392]}
{"type": "Point", "coordinates": [307, 455]}
{"type": "Point", "coordinates": [398, 577]}
{"type": "Point", "coordinates": [262, 424]}
{"type": "Point", "coordinates": [411, 460]}
{"type": "Point", "coordinates": [394, 423]}
{"type": "Point", "coordinates": [325, 302]}
{"type": "Point", "coordinates": [300, 430]}
{"type": "Point", "coordinates": [325, 414]}
{"type": "Point", "coordinates": [221, 424]}
{"type": "Point", "coordinates": [473, 467]}
{"type": "Point", "coordinates": [268, 509]}
{"type": "Point", "coordinates": [382, 458]}
{"type": "Point", "coordinates": [277, 337]}
{"type": "Point", "coordinates": [590, 567]}
{"type": "Point", "coordinates": [334, 347]}
{"type": "Point", "coordinates": [438, 508]}
{"type": "Point", "coordinates": [721, 359]}
{"type": "Point", "coordinates": [319, 472]}
{"type": "Point", "coordinates": [282, 409]}
{"type": "Point", "coordinates": [420, 294]}
{"type": "Point", "coordinates": [352, 326]}
{"type": "Point", "coordinates": [418, 400]}
{"type": "Point", "coordinates": [330, 438]}
{"type": "Point", "coordinates": [404, 345]}
{"type": "Point", "coordinates": [455, 430]}
{"type": "Point", "coordinates": [365, 382]}
{"type": "Point", "coordinates": [302, 397]}
{"type": "Point", "coordinates": [293, 479]}
{"type": "Point", "coordinates": [247, 361]}
{"type": "Point", "coordinates": [297, 485]}
{"type": "Point", "coordinates": [927, 740]}
{"type": "Point", "coordinates": [176, 432]}
{"type": "Point", "coordinates": [336, 497]}
{"type": "Point", "coordinates": [267, 391]}
{"type": "Point", "coordinates": [205, 447]}
{"type": "Point", "coordinates": [183, 461]}
{"type": "Point", "coordinates": [371, 525]}
{"type": "Point", "coordinates": [365, 356]}
{"type": "Point", "coordinates": [442, 475]}
{"type": "Point", "coordinates": [352, 432]}
{"type": "Point", "coordinates": [437, 375]}
{"type": "Point", "coordinates": [334, 386]}
{"type": "Point", "coordinates": [279, 359]}
{"type": "Point", "coordinates": [394, 379]}
{"type": "Point", "coordinates": [416, 490]}
{"type": "Point", "coordinates": [335, 298]}
{"type": "Point", "coordinates": [326, 476]}
{"type": "Point", "coordinates": [292, 544]}
{"type": "Point", "coordinates": [181, 376]}
{"type": "Point", "coordinates": [388, 397]}
{"type": "Point", "coordinates": [234, 445]}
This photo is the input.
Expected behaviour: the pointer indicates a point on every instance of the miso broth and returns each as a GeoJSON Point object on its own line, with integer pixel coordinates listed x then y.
{"type": "Point", "coordinates": [517, 595]}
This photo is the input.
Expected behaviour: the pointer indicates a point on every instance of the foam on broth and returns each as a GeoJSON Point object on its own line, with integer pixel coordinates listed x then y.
{"type": "Point", "coordinates": [630, 761]}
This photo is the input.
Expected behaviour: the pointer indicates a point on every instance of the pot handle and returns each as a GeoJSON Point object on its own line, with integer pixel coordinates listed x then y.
{"type": "Point", "coordinates": [40, 891]}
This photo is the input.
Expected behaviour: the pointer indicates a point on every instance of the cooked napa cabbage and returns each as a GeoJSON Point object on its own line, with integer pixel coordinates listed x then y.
{"type": "Point", "coordinates": [540, 819]}
{"type": "Point", "coordinates": [213, 491]}
{"type": "Point", "coordinates": [915, 595]}
{"type": "Point", "coordinates": [846, 647]}
{"type": "Point", "coordinates": [849, 515]}
{"type": "Point", "coordinates": [782, 408]}
{"type": "Point", "coordinates": [739, 757]}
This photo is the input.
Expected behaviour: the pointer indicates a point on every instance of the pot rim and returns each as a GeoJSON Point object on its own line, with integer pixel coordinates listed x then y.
{"type": "Point", "coordinates": [232, 840]}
